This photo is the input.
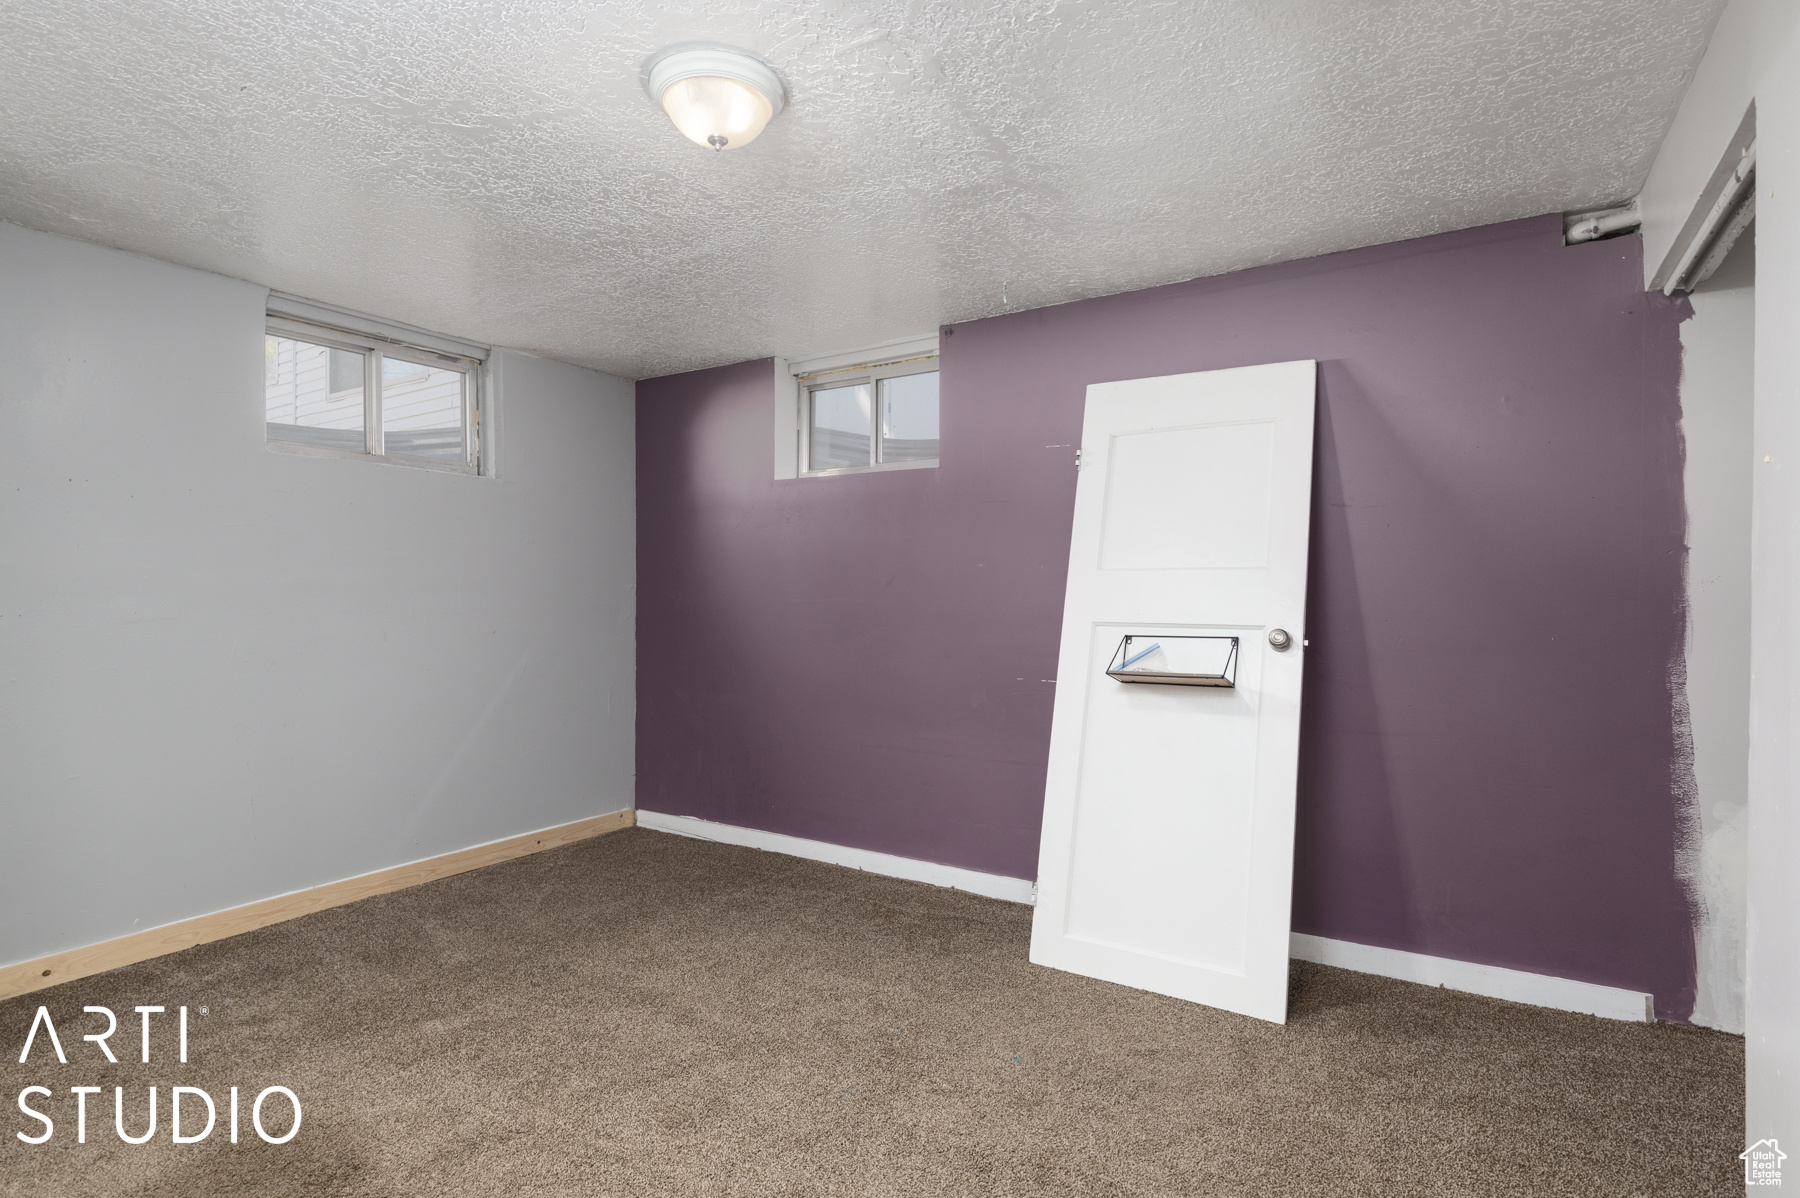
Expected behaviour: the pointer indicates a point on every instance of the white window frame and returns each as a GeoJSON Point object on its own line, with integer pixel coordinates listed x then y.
{"type": "Point", "coordinates": [796, 381]}
{"type": "Point", "coordinates": [376, 339]}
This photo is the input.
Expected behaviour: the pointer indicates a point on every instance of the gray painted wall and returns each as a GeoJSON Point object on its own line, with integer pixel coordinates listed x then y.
{"type": "Point", "coordinates": [1718, 347]}
{"type": "Point", "coordinates": [231, 673]}
{"type": "Point", "coordinates": [1772, 991]}
{"type": "Point", "coordinates": [1755, 54]}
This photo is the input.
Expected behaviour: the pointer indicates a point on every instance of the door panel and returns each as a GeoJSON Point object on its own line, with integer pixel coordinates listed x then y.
{"type": "Point", "coordinates": [1218, 474]}
{"type": "Point", "coordinates": [1169, 831]}
{"type": "Point", "coordinates": [1167, 854]}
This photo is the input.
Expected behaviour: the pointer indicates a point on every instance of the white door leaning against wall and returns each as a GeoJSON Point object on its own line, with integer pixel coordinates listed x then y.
{"type": "Point", "coordinates": [1168, 843]}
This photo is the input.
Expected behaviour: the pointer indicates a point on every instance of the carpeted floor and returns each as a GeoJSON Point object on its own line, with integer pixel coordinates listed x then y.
{"type": "Point", "coordinates": [646, 1015]}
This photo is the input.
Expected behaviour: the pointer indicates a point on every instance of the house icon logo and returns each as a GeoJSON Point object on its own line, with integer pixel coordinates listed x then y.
{"type": "Point", "coordinates": [1762, 1163]}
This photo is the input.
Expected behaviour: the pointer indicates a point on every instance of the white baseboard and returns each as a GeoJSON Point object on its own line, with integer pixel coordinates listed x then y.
{"type": "Point", "coordinates": [1514, 985]}
{"type": "Point", "coordinates": [1013, 890]}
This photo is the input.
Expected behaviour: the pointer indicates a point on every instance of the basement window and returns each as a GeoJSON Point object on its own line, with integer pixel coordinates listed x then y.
{"type": "Point", "coordinates": [337, 385]}
{"type": "Point", "coordinates": [863, 418]}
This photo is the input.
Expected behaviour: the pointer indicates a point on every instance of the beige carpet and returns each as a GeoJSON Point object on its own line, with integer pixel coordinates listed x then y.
{"type": "Point", "coordinates": [642, 1014]}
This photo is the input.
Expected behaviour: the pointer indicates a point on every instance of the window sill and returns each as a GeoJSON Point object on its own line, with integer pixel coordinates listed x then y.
{"type": "Point", "coordinates": [926, 464]}
{"type": "Point", "coordinates": [298, 449]}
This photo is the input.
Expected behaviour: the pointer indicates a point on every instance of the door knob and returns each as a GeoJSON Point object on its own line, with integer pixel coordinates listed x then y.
{"type": "Point", "coordinates": [1279, 639]}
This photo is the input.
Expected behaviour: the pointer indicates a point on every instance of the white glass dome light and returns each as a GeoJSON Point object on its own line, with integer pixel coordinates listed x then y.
{"type": "Point", "coordinates": [718, 98]}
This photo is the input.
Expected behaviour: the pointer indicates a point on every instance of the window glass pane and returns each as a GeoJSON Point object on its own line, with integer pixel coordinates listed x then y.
{"type": "Point", "coordinates": [393, 370]}
{"type": "Point", "coordinates": [313, 394]}
{"type": "Point", "coordinates": [909, 417]}
{"type": "Point", "coordinates": [840, 427]}
{"type": "Point", "coordinates": [422, 410]}
{"type": "Point", "coordinates": [346, 371]}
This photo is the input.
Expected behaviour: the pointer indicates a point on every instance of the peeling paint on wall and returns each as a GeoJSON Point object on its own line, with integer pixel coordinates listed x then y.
{"type": "Point", "coordinates": [1711, 681]}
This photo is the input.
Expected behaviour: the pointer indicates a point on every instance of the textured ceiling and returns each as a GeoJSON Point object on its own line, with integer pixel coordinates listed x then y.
{"type": "Point", "coordinates": [494, 170]}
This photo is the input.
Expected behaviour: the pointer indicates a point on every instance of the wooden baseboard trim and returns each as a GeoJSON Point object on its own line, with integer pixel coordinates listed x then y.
{"type": "Point", "coordinates": [66, 966]}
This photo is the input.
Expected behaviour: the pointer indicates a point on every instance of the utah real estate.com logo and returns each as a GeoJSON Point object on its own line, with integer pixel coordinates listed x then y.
{"type": "Point", "coordinates": [39, 1101]}
{"type": "Point", "coordinates": [1762, 1163]}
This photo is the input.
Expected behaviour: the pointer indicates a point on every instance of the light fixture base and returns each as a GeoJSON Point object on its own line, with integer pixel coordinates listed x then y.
{"type": "Point", "coordinates": [676, 63]}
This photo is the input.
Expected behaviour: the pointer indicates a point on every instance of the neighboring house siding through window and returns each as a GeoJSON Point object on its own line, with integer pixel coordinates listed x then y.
{"type": "Point", "coordinates": [421, 409]}
{"type": "Point", "coordinates": [299, 385]}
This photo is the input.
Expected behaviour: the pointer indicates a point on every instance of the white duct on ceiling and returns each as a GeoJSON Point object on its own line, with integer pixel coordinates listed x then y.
{"type": "Point", "coordinates": [1730, 214]}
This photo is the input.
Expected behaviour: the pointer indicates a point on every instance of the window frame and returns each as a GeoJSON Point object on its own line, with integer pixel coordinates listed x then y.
{"type": "Point", "coordinates": [375, 348]}
{"type": "Point", "coordinates": [849, 376]}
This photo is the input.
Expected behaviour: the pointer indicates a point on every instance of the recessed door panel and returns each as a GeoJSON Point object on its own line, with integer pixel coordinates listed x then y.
{"type": "Point", "coordinates": [1188, 498]}
{"type": "Point", "coordinates": [1164, 813]}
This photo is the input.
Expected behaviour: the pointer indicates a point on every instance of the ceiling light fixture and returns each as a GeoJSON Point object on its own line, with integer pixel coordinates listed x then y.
{"type": "Point", "coordinates": [717, 97]}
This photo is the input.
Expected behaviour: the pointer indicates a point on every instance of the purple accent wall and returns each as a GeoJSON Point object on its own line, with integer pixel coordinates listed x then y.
{"type": "Point", "coordinates": [1488, 758]}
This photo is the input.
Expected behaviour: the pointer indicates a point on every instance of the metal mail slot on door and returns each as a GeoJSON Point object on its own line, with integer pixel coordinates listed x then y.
{"type": "Point", "coordinates": [1176, 660]}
